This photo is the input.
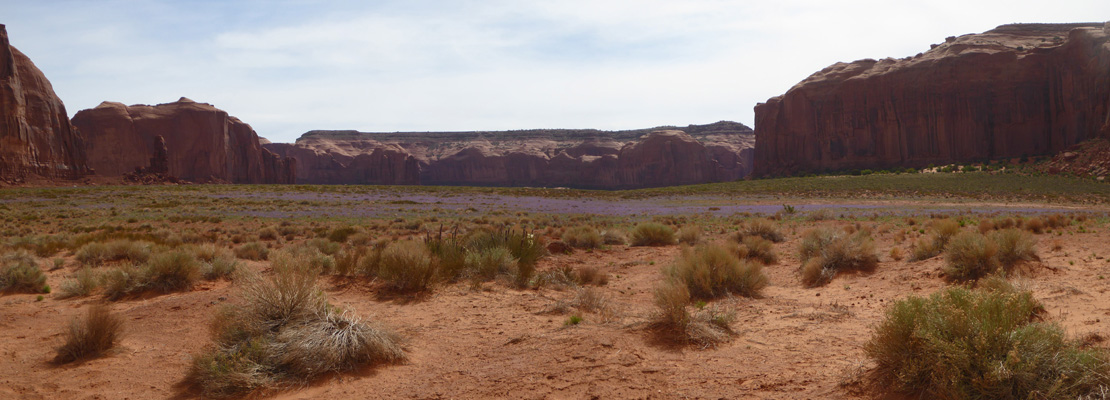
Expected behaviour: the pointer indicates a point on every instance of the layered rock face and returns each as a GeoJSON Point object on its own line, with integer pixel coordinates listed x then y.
{"type": "Point", "coordinates": [1025, 89]}
{"type": "Point", "coordinates": [201, 143]}
{"type": "Point", "coordinates": [36, 137]}
{"type": "Point", "coordinates": [545, 158]}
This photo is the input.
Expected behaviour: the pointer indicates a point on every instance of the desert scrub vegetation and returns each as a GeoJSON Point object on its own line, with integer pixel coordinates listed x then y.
{"type": "Point", "coordinates": [83, 283]}
{"type": "Point", "coordinates": [709, 271]}
{"type": "Point", "coordinates": [971, 256]}
{"type": "Point", "coordinates": [20, 273]}
{"type": "Point", "coordinates": [756, 248]}
{"type": "Point", "coordinates": [92, 336]}
{"type": "Point", "coordinates": [255, 251]}
{"type": "Point", "coordinates": [652, 234]}
{"type": "Point", "coordinates": [689, 234]}
{"type": "Point", "coordinates": [170, 271]}
{"type": "Point", "coordinates": [761, 227]}
{"type": "Point", "coordinates": [407, 266]}
{"type": "Point", "coordinates": [706, 327]}
{"type": "Point", "coordinates": [986, 343]}
{"type": "Point", "coordinates": [825, 252]}
{"type": "Point", "coordinates": [941, 232]}
{"type": "Point", "coordinates": [99, 253]}
{"type": "Point", "coordinates": [286, 333]}
{"type": "Point", "coordinates": [614, 237]}
{"type": "Point", "coordinates": [583, 237]}
{"type": "Point", "coordinates": [485, 255]}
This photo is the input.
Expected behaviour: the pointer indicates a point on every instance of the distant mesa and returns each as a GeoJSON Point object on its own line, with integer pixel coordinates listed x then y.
{"type": "Point", "coordinates": [1017, 90]}
{"type": "Point", "coordinates": [579, 158]}
{"type": "Point", "coordinates": [201, 143]}
{"type": "Point", "coordinates": [37, 140]}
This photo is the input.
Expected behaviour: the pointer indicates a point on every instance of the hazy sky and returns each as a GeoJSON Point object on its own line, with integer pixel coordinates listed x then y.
{"type": "Point", "coordinates": [288, 66]}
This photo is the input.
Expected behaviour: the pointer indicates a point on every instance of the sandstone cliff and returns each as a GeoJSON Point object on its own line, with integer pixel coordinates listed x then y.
{"type": "Point", "coordinates": [36, 138]}
{"type": "Point", "coordinates": [550, 158]}
{"type": "Point", "coordinates": [1026, 89]}
{"type": "Point", "coordinates": [202, 143]}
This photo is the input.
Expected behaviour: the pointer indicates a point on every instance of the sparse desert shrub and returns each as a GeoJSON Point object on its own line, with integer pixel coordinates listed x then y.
{"type": "Point", "coordinates": [121, 281]}
{"type": "Point", "coordinates": [583, 237]}
{"type": "Point", "coordinates": [705, 328]}
{"type": "Point", "coordinates": [97, 333]}
{"type": "Point", "coordinates": [286, 332]}
{"type": "Point", "coordinates": [308, 257]}
{"type": "Point", "coordinates": [946, 228]}
{"type": "Point", "coordinates": [588, 275]}
{"type": "Point", "coordinates": [652, 234]}
{"type": "Point", "coordinates": [20, 273]}
{"type": "Point", "coordinates": [340, 235]}
{"type": "Point", "coordinates": [450, 254]}
{"type": "Point", "coordinates": [757, 248]}
{"type": "Point", "coordinates": [986, 225]}
{"type": "Point", "coordinates": [324, 246]}
{"type": "Point", "coordinates": [711, 270]}
{"type": "Point", "coordinates": [220, 268]}
{"type": "Point", "coordinates": [970, 256]}
{"type": "Point", "coordinates": [347, 259]}
{"type": "Point", "coordinates": [1035, 225]}
{"type": "Point", "coordinates": [267, 234]}
{"type": "Point", "coordinates": [170, 271]}
{"type": "Point", "coordinates": [1014, 247]}
{"type": "Point", "coordinates": [926, 248]}
{"type": "Point", "coordinates": [407, 266]}
{"type": "Point", "coordinates": [689, 234]}
{"type": "Point", "coordinates": [255, 251]}
{"type": "Point", "coordinates": [487, 263]}
{"type": "Point", "coordinates": [763, 228]}
{"type": "Point", "coordinates": [826, 252]}
{"type": "Point", "coordinates": [896, 254]}
{"type": "Point", "coordinates": [83, 283]}
{"type": "Point", "coordinates": [986, 343]}
{"type": "Point", "coordinates": [98, 253]}
{"type": "Point", "coordinates": [614, 237]}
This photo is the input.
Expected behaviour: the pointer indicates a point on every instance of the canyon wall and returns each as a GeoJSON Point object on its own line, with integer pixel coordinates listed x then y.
{"type": "Point", "coordinates": [36, 137]}
{"type": "Point", "coordinates": [585, 158]}
{"type": "Point", "coordinates": [1024, 89]}
{"type": "Point", "coordinates": [202, 143]}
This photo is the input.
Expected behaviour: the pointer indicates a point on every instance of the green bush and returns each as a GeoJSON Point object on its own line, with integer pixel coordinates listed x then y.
{"type": "Point", "coordinates": [407, 266]}
{"type": "Point", "coordinates": [1014, 247]}
{"type": "Point", "coordinates": [711, 271]}
{"type": "Point", "coordinates": [20, 273]}
{"type": "Point", "coordinates": [583, 237]}
{"type": "Point", "coordinates": [171, 271]}
{"type": "Point", "coordinates": [652, 234]}
{"type": "Point", "coordinates": [986, 343]}
{"type": "Point", "coordinates": [488, 262]}
{"type": "Point", "coordinates": [98, 253]}
{"type": "Point", "coordinates": [824, 252]}
{"type": "Point", "coordinates": [972, 256]}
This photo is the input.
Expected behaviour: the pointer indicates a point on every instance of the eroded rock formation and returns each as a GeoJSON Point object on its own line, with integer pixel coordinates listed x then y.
{"type": "Point", "coordinates": [202, 143]}
{"type": "Point", "coordinates": [1025, 89]}
{"type": "Point", "coordinates": [36, 137]}
{"type": "Point", "coordinates": [549, 158]}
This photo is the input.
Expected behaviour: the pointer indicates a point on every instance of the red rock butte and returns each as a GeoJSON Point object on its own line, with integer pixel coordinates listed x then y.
{"type": "Point", "coordinates": [1017, 90]}
{"type": "Point", "coordinates": [585, 158]}
{"type": "Point", "coordinates": [36, 137]}
{"type": "Point", "coordinates": [201, 143]}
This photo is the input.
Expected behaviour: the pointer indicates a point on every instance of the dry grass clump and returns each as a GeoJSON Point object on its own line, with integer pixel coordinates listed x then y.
{"type": "Point", "coordinates": [763, 228]}
{"type": "Point", "coordinates": [83, 283]}
{"type": "Point", "coordinates": [255, 251]}
{"type": "Point", "coordinates": [588, 300]}
{"type": "Point", "coordinates": [218, 262]}
{"type": "Point", "coordinates": [489, 262]}
{"type": "Point", "coordinates": [97, 333]}
{"type": "Point", "coordinates": [971, 256]}
{"type": "Point", "coordinates": [986, 343]}
{"type": "Point", "coordinates": [407, 266]}
{"type": "Point", "coordinates": [825, 252]}
{"type": "Point", "coordinates": [286, 333]}
{"type": "Point", "coordinates": [165, 272]}
{"type": "Point", "coordinates": [929, 247]}
{"type": "Point", "coordinates": [20, 273]}
{"type": "Point", "coordinates": [709, 271]}
{"type": "Point", "coordinates": [614, 237]}
{"type": "Point", "coordinates": [689, 234]}
{"type": "Point", "coordinates": [583, 237]}
{"type": "Point", "coordinates": [652, 234]}
{"type": "Point", "coordinates": [757, 248]}
{"type": "Point", "coordinates": [705, 328]}
{"type": "Point", "coordinates": [303, 256]}
{"type": "Point", "coordinates": [97, 253]}
{"type": "Point", "coordinates": [523, 252]}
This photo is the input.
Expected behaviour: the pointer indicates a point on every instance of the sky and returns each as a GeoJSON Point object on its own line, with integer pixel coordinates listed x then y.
{"type": "Point", "coordinates": [290, 66]}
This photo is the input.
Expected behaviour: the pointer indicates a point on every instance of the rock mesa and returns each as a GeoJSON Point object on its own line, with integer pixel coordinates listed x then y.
{"type": "Point", "coordinates": [589, 159]}
{"type": "Point", "coordinates": [201, 143]}
{"type": "Point", "coordinates": [36, 137]}
{"type": "Point", "coordinates": [1024, 89]}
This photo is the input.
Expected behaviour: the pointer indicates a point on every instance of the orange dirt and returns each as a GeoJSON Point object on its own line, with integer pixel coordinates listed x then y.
{"type": "Point", "coordinates": [493, 341]}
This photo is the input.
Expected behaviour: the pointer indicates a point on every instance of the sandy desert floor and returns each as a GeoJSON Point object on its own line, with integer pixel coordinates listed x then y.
{"type": "Point", "coordinates": [492, 340]}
